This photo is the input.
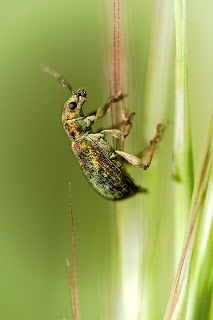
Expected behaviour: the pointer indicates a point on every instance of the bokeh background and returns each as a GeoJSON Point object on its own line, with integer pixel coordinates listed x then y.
{"type": "Point", "coordinates": [36, 160]}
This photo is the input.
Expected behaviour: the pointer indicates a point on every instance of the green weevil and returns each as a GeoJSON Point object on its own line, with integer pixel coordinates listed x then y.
{"type": "Point", "coordinates": [98, 161]}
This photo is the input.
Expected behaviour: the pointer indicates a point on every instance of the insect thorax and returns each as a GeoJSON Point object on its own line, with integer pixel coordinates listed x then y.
{"type": "Point", "coordinates": [77, 128]}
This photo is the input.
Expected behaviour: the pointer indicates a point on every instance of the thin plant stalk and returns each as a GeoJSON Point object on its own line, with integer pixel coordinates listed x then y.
{"type": "Point", "coordinates": [74, 296]}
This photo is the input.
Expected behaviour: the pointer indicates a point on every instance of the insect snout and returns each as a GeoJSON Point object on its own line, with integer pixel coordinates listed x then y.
{"type": "Point", "coordinates": [81, 93]}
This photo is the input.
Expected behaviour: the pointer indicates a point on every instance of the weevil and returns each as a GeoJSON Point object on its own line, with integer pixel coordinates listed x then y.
{"type": "Point", "coordinates": [99, 162]}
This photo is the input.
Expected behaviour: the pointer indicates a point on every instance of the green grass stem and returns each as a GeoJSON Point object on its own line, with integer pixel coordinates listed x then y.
{"type": "Point", "coordinates": [194, 273]}
{"type": "Point", "coordinates": [183, 162]}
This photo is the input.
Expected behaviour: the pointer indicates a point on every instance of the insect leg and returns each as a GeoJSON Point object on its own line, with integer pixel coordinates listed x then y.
{"type": "Point", "coordinates": [63, 82]}
{"type": "Point", "coordinates": [102, 110]}
{"type": "Point", "coordinates": [118, 134]}
{"type": "Point", "coordinates": [137, 161]}
{"type": "Point", "coordinates": [126, 123]}
{"type": "Point", "coordinates": [146, 150]}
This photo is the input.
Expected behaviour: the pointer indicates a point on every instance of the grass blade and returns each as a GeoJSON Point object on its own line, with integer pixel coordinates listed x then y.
{"type": "Point", "coordinates": [201, 199]}
{"type": "Point", "coordinates": [183, 163]}
{"type": "Point", "coordinates": [201, 271]}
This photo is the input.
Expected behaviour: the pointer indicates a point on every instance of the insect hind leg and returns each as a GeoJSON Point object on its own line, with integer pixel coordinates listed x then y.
{"type": "Point", "coordinates": [137, 161]}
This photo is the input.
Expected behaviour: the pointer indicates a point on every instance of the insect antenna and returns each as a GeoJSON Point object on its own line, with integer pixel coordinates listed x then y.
{"type": "Point", "coordinates": [63, 82]}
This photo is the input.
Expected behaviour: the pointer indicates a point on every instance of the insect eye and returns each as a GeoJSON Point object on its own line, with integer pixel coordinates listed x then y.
{"type": "Point", "coordinates": [72, 105]}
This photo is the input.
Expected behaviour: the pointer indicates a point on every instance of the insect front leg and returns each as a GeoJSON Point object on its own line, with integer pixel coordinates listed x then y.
{"type": "Point", "coordinates": [102, 110]}
{"type": "Point", "coordinates": [137, 161]}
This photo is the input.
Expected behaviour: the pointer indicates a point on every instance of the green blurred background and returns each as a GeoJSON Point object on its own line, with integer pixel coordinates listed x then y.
{"type": "Point", "coordinates": [37, 162]}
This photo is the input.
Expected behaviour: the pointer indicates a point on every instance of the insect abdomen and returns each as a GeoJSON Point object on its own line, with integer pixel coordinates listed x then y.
{"type": "Point", "coordinates": [108, 177]}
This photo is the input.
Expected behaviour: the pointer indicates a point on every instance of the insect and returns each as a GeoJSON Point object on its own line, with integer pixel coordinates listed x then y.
{"type": "Point", "coordinates": [99, 162]}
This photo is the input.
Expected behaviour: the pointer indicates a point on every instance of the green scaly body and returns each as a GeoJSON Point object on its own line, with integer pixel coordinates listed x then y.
{"type": "Point", "coordinates": [94, 154]}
